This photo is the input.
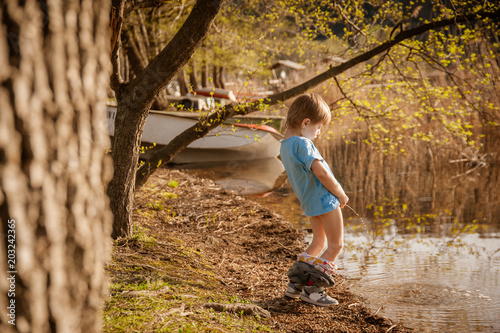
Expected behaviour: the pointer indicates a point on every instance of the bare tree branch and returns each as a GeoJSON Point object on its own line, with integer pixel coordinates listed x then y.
{"type": "Point", "coordinates": [352, 24]}
{"type": "Point", "coordinates": [165, 155]}
{"type": "Point", "coordinates": [116, 29]}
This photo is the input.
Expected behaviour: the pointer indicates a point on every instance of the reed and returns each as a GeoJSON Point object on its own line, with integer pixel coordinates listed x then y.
{"type": "Point", "coordinates": [420, 165]}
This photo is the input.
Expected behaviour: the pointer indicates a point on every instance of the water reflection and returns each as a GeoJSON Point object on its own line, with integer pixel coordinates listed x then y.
{"type": "Point", "coordinates": [242, 177]}
{"type": "Point", "coordinates": [430, 185]}
{"type": "Point", "coordinates": [433, 284]}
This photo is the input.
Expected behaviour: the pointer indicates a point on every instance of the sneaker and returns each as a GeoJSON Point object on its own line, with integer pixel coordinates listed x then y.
{"type": "Point", "coordinates": [318, 297]}
{"type": "Point", "coordinates": [293, 290]}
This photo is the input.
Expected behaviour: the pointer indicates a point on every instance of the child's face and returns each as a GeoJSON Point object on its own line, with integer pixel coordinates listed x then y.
{"type": "Point", "coordinates": [310, 130]}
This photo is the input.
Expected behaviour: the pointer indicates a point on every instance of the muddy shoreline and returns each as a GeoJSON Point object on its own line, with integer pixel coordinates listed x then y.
{"type": "Point", "coordinates": [193, 237]}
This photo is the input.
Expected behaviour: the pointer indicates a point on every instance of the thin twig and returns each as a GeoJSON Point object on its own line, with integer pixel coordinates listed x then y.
{"type": "Point", "coordinates": [495, 252]}
{"type": "Point", "coordinates": [243, 227]}
{"type": "Point", "coordinates": [349, 21]}
{"type": "Point", "coordinates": [390, 328]}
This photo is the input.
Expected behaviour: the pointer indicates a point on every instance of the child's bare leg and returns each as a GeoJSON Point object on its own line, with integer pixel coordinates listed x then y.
{"type": "Point", "coordinates": [325, 230]}
{"type": "Point", "coordinates": [333, 225]}
{"type": "Point", "coordinates": [319, 237]}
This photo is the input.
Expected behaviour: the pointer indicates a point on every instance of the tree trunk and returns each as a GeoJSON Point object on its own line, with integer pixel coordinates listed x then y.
{"type": "Point", "coordinates": [215, 78]}
{"type": "Point", "coordinates": [129, 124]}
{"type": "Point", "coordinates": [183, 84]}
{"type": "Point", "coordinates": [53, 168]}
{"type": "Point", "coordinates": [193, 77]}
{"type": "Point", "coordinates": [135, 99]}
{"type": "Point", "coordinates": [221, 77]}
{"type": "Point", "coordinates": [136, 60]}
{"type": "Point", "coordinates": [204, 74]}
{"type": "Point", "coordinates": [161, 101]}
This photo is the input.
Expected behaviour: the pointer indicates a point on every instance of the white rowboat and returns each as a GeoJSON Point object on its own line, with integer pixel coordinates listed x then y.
{"type": "Point", "coordinates": [240, 139]}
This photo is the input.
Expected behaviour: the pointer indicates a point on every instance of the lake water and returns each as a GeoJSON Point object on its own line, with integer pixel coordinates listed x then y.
{"type": "Point", "coordinates": [434, 277]}
{"type": "Point", "coordinates": [428, 283]}
{"type": "Point", "coordinates": [432, 284]}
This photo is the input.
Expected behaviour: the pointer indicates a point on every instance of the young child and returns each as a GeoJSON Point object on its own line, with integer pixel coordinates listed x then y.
{"type": "Point", "coordinates": [321, 198]}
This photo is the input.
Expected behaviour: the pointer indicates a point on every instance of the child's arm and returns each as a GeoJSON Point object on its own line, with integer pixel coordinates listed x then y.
{"type": "Point", "coordinates": [327, 179]}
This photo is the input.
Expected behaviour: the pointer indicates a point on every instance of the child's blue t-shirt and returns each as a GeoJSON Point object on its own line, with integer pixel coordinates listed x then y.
{"type": "Point", "coordinates": [297, 154]}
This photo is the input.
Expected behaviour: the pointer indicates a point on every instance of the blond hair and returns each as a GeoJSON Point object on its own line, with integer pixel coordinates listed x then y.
{"type": "Point", "coordinates": [310, 106]}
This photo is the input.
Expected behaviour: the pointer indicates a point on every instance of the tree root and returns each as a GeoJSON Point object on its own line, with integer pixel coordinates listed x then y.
{"type": "Point", "coordinates": [243, 309]}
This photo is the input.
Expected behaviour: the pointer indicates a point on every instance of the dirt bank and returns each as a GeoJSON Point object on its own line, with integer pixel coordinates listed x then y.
{"type": "Point", "coordinates": [196, 246]}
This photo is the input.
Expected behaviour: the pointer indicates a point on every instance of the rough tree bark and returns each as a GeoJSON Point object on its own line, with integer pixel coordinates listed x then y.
{"type": "Point", "coordinates": [54, 76]}
{"type": "Point", "coordinates": [134, 101]}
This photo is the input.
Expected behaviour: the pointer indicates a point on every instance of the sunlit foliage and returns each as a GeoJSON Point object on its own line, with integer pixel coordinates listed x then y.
{"type": "Point", "coordinates": [438, 88]}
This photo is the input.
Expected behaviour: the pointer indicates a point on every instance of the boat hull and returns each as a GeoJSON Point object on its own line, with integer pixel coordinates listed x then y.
{"type": "Point", "coordinates": [225, 143]}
